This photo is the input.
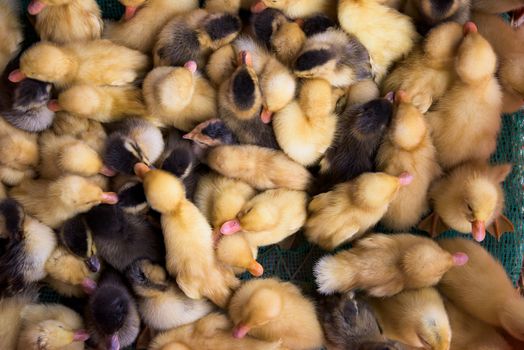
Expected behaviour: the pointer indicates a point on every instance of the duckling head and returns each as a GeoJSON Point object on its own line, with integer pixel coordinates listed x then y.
{"type": "Point", "coordinates": [147, 279]}
{"type": "Point", "coordinates": [46, 62]}
{"type": "Point", "coordinates": [54, 335]}
{"type": "Point", "coordinates": [378, 189]}
{"type": "Point", "coordinates": [78, 240]}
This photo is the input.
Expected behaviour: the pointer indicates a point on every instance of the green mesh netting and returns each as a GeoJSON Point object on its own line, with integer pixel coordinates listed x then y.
{"type": "Point", "coordinates": [296, 265]}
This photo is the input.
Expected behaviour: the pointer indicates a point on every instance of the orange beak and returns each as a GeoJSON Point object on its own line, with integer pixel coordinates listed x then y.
{"type": "Point", "coordinates": [478, 230]}
{"type": "Point", "coordinates": [256, 269]}
{"type": "Point", "coordinates": [141, 170]}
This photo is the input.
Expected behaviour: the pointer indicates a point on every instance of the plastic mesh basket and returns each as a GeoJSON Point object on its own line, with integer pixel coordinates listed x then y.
{"type": "Point", "coordinates": [296, 265]}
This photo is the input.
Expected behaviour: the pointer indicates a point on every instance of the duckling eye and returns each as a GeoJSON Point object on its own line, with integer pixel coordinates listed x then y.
{"type": "Point", "coordinates": [470, 208]}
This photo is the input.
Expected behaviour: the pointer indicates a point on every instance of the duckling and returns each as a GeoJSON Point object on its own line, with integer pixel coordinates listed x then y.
{"type": "Point", "coordinates": [273, 310]}
{"type": "Point", "coordinates": [237, 252]}
{"type": "Point", "coordinates": [78, 240]}
{"type": "Point", "coordinates": [102, 103]}
{"type": "Point", "coordinates": [483, 289]}
{"type": "Point", "coordinates": [211, 133]}
{"type": "Point", "coordinates": [89, 131]}
{"type": "Point", "coordinates": [296, 8]}
{"type": "Point", "coordinates": [54, 201]}
{"type": "Point", "coordinates": [51, 326]}
{"type": "Point", "coordinates": [280, 35]}
{"type": "Point", "coordinates": [10, 319]}
{"type": "Point", "coordinates": [26, 245]}
{"type": "Point", "coordinates": [469, 199]}
{"type": "Point", "coordinates": [240, 102]}
{"type": "Point", "coordinates": [131, 197]}
{"type": "Point", "coordinates": [136, 140]}
{"type": "Point", "coordinates": [220, 198]}
{"type": "Point", "coordinates": [469, 114]}
{"type": "Point", "coordinates": [26, 105]}
{"type": "Point", "coordinates": [111, 314]}
{"type": "Point", "coordinates": [277, 83]}
{"type": "Point", "coordinates": [430, 13]}
{"type": "Point", "coordinates": [212, 332]}
{"type": "Point", "coordinates": [193, 36]}
{"type": "Point", "coordinates": [407, 146]}
{"type": "Point", "coordinates": [317, 23]}
{"type": "Point", "coordinates": [470, 333]}
{"type": "Point", "coordinates": [261, 168]}
{"type": "Point", "coordinates": [417, 318]}
{"type": "Point", "coordinates": [161, 303]}
{"type": "Point", "coordinates": [123, 238]}
{"type": "Point", "coordinates": [351, 208]}
{"type": "Point", "coordinates": [387, 34]}
{"type": "Point", "coordinates": [18, 154]}
{"type": "Point", "coordinates": [66, 21]}
{"type": "Point", "coordinates": [349, 323]}
{"type": "Point", "coordinates": [143, 21]}
{"type": "Point", "coordinates": [11, 35]}
{"type": "Point", "coordinates": [67, 155]}
{"type": "Point", "coordinates": [427, 73]}
{"type": "Point", "coordinates": [384, 265]}
{"type": "Point", "coordinates": [79, 278]}
{"type": "Point", "coordinates": [505, 41]}
{"type": "Point", "coordinates": [188, 239]}
{"type": "Point", "coordinates": [98, 62]}
{"type": "Point", "coordinates": [179, 96]}
{"type": "Point", "coordinates": [269, 217]}
{"type": "Point", "coordinates": [335, 56]}
{"type": "Point", "coordinates": [359, 132]}
{"type": "Point", "coordinates": [305, 128]}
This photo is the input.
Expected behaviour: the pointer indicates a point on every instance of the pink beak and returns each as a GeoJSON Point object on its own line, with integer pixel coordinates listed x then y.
{"type": "Point", "coordinates": [266, 116]}
{"type": "Point", "coordinates": [191, 66]}
{"type": "Point", "coordinates": [470, 27]}
{"type": "Point", "coordinates": [16, 76]}
{"type": "Point", "coordinates": [258, 7]}
{"type": "Point", "coordinates": [405, 179]}
{"type": "Point", "coordinates": [109, 198]}
{"type": "Point", "coordinates": [81, 335]}
{"type": "Point", "coordinates": [230, 227]}
{"type": "Point", "coordinates": [35, 7]}
{"type": "Point", "coordinates": [130, 12]}
{"type": "Point", "coordinates": [478, 230]}
{"type": "Point", "coordinates": [460, 259]}
{"type": "Point", "coordinates": [240, 331]}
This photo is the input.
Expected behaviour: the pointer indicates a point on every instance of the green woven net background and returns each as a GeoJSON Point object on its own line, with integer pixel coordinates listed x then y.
{"type": "Point", "coordinates": [296, 264]}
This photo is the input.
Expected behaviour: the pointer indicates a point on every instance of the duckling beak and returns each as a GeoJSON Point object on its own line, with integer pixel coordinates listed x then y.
{"type": "Point", "coordinates": [230, 227]}
{"type": "Point", "coordinates": [266, 115]}
{"type": "Point", "coordinates": [517, 17]}
{"type": "Point", "coordinates": [35, 7]}
{"type": "Point", "coordinates": [130, 12]}
{"type": "Point", "coordinates": [460, 259]}
{"type": "Point", "coordinates": [390, 96]}
{"type": "Point", "coordinates": [191, 66]}
{"type": "Point", "coordinates": [107, 171]}
{"type": "Point", "coordinates": [256, 269]}
{"type": "Point", "coordinates": [16, 76]}
{"type": "Point", "coordinates": [113, 343]}
{"type": "Point", "coordinates": [109, 198]}
{"type": "Point", "coordinates": [258, 7]}
{"type": "Point", "coordinates": [81, 335]}
{"type": "Point", "coordinates": [469, 28]}
{"type": "Point", "coordinates": [241, 331]}
{"type": "Point", "coordinates": [89, 286]}
{"type": "Point", "coordinates": [141, 170]}
{"type": "Point", "coordinates": [93, 264]}
{"type": "Point", "coordinates": [405, 179]}
{"type": "Point", "coordinates": [478, 230]}
{"type": "Point", "coordinates": [54, 106]}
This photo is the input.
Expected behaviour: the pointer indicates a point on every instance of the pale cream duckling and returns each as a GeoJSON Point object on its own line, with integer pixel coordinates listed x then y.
{"type": "Point", "coordinates": [10, 319]}
{"type": "Point", "coordinates": [213, 332]}
{"type": "Point", "coordinates": [179, 96]}
{"type": "Point", "coordinates": [351, 208]}
{"type": "Point", "coordinates": [102, 103]}
{"type": "Point", "coordinates": [416, 318]}
{"type": "Point", "coordinates": [98, 62]}
{"type": "Point", "coordinates": [384, 265]}
{"type": "Point", "coordinates": [387, 34]}
{"type": "Point", "coordinates": [18, 154]}
{"type": "Point", "coordinates": [66, 21]}
{"type": "Point", "coordinates": [194, 36]}
{"type": "Point", "coordinates": [297, 8]}
{"type": "Point", "coordinates": [269, 217]}
{"type": "Point", "coordinates": [11, 35]}
{"type": "Point", "coordinates": [238, 252]}
{"type": "Point", "coordinates": [161, 304]}
{"type": "Point", "coordinates": [53, 202]}
{"type": "Point", "coordinates": [272, 310]}
{"type": "Point", "coordinates": [466, 121]}
{"type": "Point", "coordinates": [261, 168]}
{"type": "Point", "coordinates": [469, 199]}
{"type": "Point", "coordinates": [483, 289]}
{"type": "Point", "coordinates": [407, 146]}
{"type": "Point", "coordinates": [143, 20]}
{"type": "Point", "coordinates": [427, 73]}
{"type": "Point", "coordinates": [305, 128]}
{"type": "Point", "coordinates": [188, 238]}
{"type": "Point", "coordinates": [51, 327]}
{"type": "Point", "coordinates": [470, 333]}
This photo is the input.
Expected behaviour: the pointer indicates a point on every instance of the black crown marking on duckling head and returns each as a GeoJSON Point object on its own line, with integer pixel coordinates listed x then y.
{"type": "Point", "coordinates": [120, 153]}
{"type": "Point", "coordinates": [105, 220]}
{"type": "Point", "coordinates": [243, 88]}
{"type": "Point", "coordinates": [12, 218]}
{"type": "Point", "coordinates": [183, 47]}
{"type": "Point", "coordinates": [137, 277]}
{"type": "Point", "coordinates": [110, 306]}
{"type": "Point", "coordinates": [374, 116]}
{"type": "Point", "coordinates": [74, 236]}
{"type": "Point", "coordinates": [317, 24]}
{"type": "Point", "coordinates": [220, 131]}
{"type": "Point", "coordinates": [262, 24]}
{"type": "Point", "coordinates": [179, 162]}
{"type": "Point", "coordinates": [223, 26]}
{"type": "Point", "coordinates": [132, 196]}
{"type": "Point", "coordinates": [311, 59]}
{"type": "Point", "coordinates": [30, 93]}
